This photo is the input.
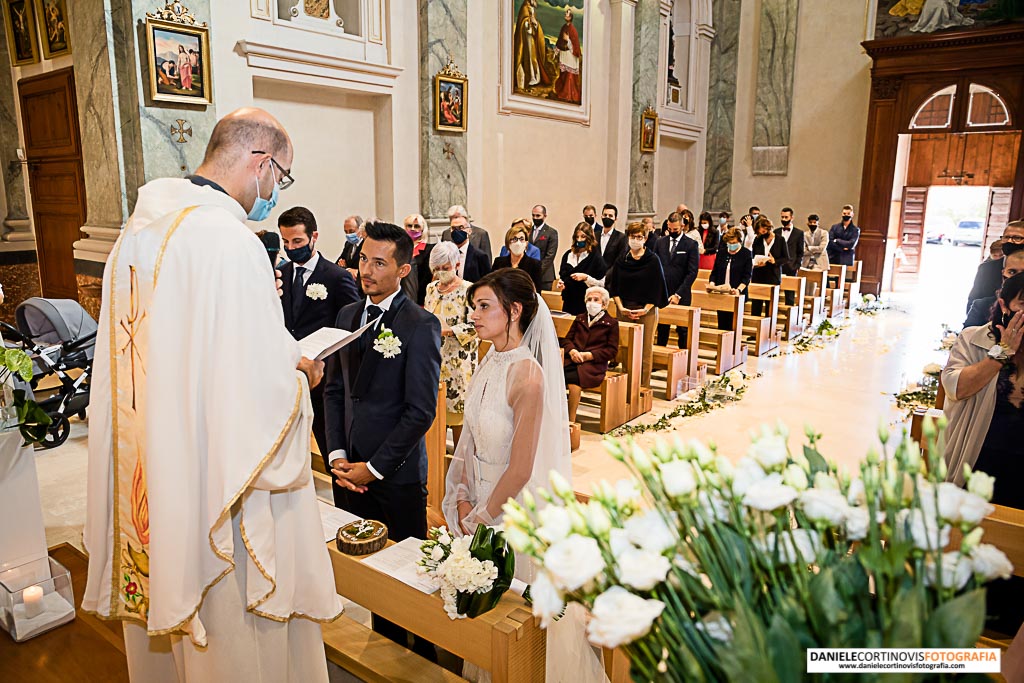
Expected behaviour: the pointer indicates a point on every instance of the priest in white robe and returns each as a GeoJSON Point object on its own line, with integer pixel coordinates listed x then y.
{"type": "Point", "coordinates": [202, 527]}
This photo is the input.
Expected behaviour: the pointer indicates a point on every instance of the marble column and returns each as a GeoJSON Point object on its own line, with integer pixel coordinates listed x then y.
{"type": "Point", "coordinates": [721, 126]}
{"type": "Point", "coordinates": [773, 111]}
{"type": "Point", "coordinates": [646, 48]}
{"type": "Point", "coordinates": [619, 105]}
{"type": "Point", "coordinates": [17, 228]}
{"type": "Point", "coordinates": [442, 29]}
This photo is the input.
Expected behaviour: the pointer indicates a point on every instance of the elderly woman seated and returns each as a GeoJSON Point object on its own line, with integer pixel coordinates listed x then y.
{"type": "Point", "coordinates": [592, 341]}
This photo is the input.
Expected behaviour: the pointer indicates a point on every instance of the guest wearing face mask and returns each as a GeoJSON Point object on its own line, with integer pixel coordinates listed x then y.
{"type": "Point", "coordinates": [414, 285]}
{"type": "Point", "coordinates": [446, 298]}
{"type": "Point", "coordinates": [769, 254]}
{"type": "Point", "coordinates": [637, 282]}
{"type": "Point", "coordinates": [611, 241]}
{"type": "Point", "coordinates": [590, 217]}
{"type": "Point", "coordinates": [816, 253]}
{"type": "Point", "coordinates": [724, 222]}
{"type": "Point", "coordinates": [794, 240]}
{"type": "Point", "coordinates": [709, 238]}
{"type": "Point", "coordinates": [582, 267]}
{"type": "Point", "coordinates": [516, 240]}
{"type": "Point", "coordinates": [308, 307]}
{"type": "Point", "coordinates": [592, 341]}
{"type": "Point", "coordinates": [545, 239]}
{"type": "Point", "coordinates": [843, 238]}
{"type": "Point", "coordinates": [690, 229]}
{"type": "Point", "coordinates": [679, 263]}
{"type": "Point", "coordinates": [733, 267]}
{"type": "Point", "coordinates": [473, 263]}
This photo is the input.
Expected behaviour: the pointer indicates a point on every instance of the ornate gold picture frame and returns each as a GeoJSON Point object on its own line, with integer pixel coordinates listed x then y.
{"type": "Point", "coordinates": [20, 22]}
{"type": "Point", "coordinates": [450, 97]}
{"type": "Point", "coordinates": [649, 131]}
{"type": "Point", "coordinates": [178, 62]}
{"type": "Point", "coordinates": [54, 32]}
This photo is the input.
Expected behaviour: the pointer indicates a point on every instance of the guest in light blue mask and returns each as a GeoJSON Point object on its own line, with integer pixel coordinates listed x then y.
{"type": "Point", "coordinates": [354, 234]}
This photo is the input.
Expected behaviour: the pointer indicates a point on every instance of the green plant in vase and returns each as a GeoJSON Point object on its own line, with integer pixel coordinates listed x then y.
{"type": "Point", "coordinates": [16, 409]}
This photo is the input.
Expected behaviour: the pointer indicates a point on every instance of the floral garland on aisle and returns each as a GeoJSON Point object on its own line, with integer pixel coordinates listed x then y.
{"type": "Point", "coordinates": [921, 394]}
{"type": "Point", "coordinates": [810, 340]}
{"type": "Point", "coordinates": [714, 394]}
{"type": "Point", "coordinates": [702, 569]}
{"type": "Point", "coordinates": [871, 305]}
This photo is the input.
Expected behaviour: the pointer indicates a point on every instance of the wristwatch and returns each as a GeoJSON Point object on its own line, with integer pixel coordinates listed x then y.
{"type": "Point", "coordinates": [999, 352]}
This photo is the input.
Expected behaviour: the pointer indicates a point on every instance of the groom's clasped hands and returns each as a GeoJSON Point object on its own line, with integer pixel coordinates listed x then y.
{"type": "Point", "coordinates": [353, 476]}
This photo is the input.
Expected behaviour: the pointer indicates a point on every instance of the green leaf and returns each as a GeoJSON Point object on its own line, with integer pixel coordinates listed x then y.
{"type": "Point", "coordinates": [957, 623]}
{"type": "Point", "coordinates": [33, 421]}
{"type": "Point", "coordinates": [908, 618]}
{"type": "Point", "coordinates": [18, 361]}
{"type": "Point", "coordinates": [744, 661]}
{"type": "Point", "coordinates": [826, 608]}
{"type": "Point", "coordinates": [787, 656]}
{"type": "Point", "coordinates": [815, 460]}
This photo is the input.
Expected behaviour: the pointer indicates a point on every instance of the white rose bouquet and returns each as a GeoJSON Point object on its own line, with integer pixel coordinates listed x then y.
{"type": "Point", "coordinates": [707, 570]}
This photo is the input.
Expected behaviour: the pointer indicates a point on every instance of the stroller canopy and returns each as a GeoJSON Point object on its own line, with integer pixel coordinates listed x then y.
{"type": "Point", "coordinates": [53, 321]}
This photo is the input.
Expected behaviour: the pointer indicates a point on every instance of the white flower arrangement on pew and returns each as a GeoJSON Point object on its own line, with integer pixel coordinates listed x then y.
{"type": "Point", "coordinates": [870, 305]}
{"type": "Point", "coordinates": [706, 570]}
{"type": "Point", "coordinates": [921, 394]}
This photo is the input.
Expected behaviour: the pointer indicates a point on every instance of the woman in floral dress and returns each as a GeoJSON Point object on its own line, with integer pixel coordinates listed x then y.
{"type": "Point", "coordinates": [446, 298]}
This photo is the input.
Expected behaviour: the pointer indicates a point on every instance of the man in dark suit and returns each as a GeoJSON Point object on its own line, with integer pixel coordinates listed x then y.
{"type": "Point", "coordinates": [381, 398]}
{"type": "Point", "coordinates": [478, 237]}
{"type": "Point", "coordinates": [989, 276]}
{"type": "Point", "coordinates": [545, 238]}
{"type": "Point", "coordinates": [473, 263]}
{"type": "Point", "coordinates": [611, 241]}
{"type": "Point", "coordinates": [308, 308]}
{"type": "Point", "coordinates": [794, 239]}
{"type": "Point", "coordinates": [843, 238]}
{"type": "Point", "coordinates": [353, 227]}
{"type": "Point", "coordinates": [679, 260]}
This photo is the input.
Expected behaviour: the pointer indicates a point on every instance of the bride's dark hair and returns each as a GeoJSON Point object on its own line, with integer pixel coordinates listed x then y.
{"type": "Point", "coordinates": [510, 286]}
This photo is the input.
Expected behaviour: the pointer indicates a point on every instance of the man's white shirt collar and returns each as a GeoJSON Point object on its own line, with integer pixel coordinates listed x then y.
{"type": "Point", "coordinates": [309, 265]}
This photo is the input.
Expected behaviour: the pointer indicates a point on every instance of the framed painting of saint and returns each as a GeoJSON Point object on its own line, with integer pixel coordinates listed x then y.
{"type": "Point", "coordinates": [450, 88]}
{"type": "Point", "coordinates": [649, 131]}
{"type": "Point", "coordinates": [20, 21]}
{"type": "Point", "coordinates": [179, 62]}
{"type": "Point", "coordinates": [53, 27]}
{"type": "Point", "coordinates": [544, 52]}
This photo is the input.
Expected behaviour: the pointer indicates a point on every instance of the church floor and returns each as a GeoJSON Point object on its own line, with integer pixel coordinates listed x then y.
{"type": "Point", "coordinates": [842, 390]}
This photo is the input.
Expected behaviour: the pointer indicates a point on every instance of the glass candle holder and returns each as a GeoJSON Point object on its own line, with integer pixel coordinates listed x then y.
{"type": "Point", "coordinates": [35, 597]}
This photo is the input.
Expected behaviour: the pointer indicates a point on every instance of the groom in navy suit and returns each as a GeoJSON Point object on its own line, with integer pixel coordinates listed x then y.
{"type": "Point", "coordinates": [307, 308]}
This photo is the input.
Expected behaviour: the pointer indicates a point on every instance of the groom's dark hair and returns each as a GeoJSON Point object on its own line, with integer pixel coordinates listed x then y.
{"type": "Point", "coordinates": [379, 231]}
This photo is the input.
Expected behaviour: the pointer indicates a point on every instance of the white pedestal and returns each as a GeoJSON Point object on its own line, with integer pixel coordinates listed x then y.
{"type": "Point", "coordinates": [24, 541]}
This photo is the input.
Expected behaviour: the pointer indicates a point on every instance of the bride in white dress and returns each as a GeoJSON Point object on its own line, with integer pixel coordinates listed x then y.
{"type": "Point", "coordinates": [516, 431]}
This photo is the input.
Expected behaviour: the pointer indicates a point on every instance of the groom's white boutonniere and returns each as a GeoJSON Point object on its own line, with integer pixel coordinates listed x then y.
{"type": "Point", "coordinates": [316, 291]}
{"type": "Point", "coordinates": [387, 344]}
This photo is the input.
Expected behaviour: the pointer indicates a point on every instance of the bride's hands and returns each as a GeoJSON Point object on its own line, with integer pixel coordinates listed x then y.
{"type": "Point", "coordinates": [464, 508]}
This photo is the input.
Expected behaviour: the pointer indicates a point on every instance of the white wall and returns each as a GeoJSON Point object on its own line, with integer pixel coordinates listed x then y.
{"type": "Point", "coordinates": [674, 170]}
{"type": "Point", "coordinates": [831, 87]}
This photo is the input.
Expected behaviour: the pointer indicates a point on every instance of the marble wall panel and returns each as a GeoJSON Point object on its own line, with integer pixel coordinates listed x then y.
{"type": "Point", "coordinates": [776, 62]}
{"type": "Point", "coordinates": [442, 28]}
{"type": "Point", "coordinates": [646, 48]}
{"type": "Point", "coordinates": [13, 178]}
{"type": "Point", "coordinates": [721, 130]}
{"type": "Point", "coordinates": [20, 281]}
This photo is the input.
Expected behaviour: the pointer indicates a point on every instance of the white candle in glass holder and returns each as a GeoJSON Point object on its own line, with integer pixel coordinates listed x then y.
{"type": "Point", "coordinates": [33, 597]}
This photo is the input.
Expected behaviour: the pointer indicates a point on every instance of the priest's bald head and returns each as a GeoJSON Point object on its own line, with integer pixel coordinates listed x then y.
{"type": "Point", "coordinates": [249, 154]}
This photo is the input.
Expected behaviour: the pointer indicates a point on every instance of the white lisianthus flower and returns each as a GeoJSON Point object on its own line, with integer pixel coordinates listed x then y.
{"type": "Point", "coordinates": [725, 468]}
{"type": "Point", "coordinates": [769, 451]}
{"type": "Point", "coordinates": [746, 473]}
{"type": "Point", "coordinates": [618, 539]}
{"type": "Point", "coordinates": [933, 369]}
{"type": "Point", "coordinates": [642, 570]}
{"type": "Point", "coordinates": [736, 378]}
{"type": "Point", "coordinates": [620, 617]}
{"type": "Point", "coordinates": [627, 492]}
{"type": "Point", "coordinates": [598, 520]}
{"type": "Point", "coordinates": [981, 484]}
{"type": "Point", "coordinates": [716, 626]}
{"type": "Point", "coordinates": [677, 477]}
{"type": "Point", "coordinates": [798, 545]}
{"type": "Point", "coordinates": [870, 298]}
{"type": "Point", "coordinates": [704, 455]}
{"type": "Point", "coordinates": [956, 571]}
{"type": "Point", "coordinates": [641, 460]}
{"type": "Point", "coordinates": [555, 524]}
{"type": "Point", "coordinates": [824, 481]}
{"type": "Point", "coordinates": [989, 562]}
{"type": "Point", "coordinates": [518, 539]}
{"type": "Point", "coordinates": [436, 553]}
{"type": "Point", "coordinates": [974, 508]}
{"type": "Point", "coordinates": [573, 562]}
{"type": "Point", "coordinates": [857, 523]}
{"type": "Point", "coordinates": [824, 505]}
{"type": "Point", "coordinates": [795, 476]}
{"type": "Point", "coordinates": [923, 529]}
{"type": "Point", "coordinates": [548, 602]}
{"type": "Point", "coordinates": [316, 291]}
{"type": "Point", "coordinates": [769, 494]}
{"type": "Point", "coordinates": [559, 485]}
{"type": "Point", "coordinates": [443, 537]}
{"type": "Point", "coordinates": [649, 531]}
{"type": "Point", "coordinates": [856, 495]}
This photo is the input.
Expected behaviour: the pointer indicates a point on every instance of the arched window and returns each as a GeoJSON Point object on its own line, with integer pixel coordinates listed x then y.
{"type": "Point", "coordinates": [986, 108]}
{"type": "Point", "coordinates": [937, 112]}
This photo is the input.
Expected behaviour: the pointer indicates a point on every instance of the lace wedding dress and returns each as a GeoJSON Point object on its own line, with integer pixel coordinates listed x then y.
{"type": "Point", "coordinates": [516, 430]}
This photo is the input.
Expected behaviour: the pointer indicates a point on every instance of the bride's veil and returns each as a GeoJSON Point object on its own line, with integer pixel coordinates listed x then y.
{"type": "Point", "coordinates": [553, 450]}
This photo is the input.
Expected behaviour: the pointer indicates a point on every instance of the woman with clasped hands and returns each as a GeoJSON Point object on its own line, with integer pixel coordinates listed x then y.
{"type": "Point", "coordinates": [984, 383]}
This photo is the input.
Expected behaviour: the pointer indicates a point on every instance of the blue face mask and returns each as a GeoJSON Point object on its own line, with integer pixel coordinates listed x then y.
{"type": "Point", "coordinates": [459, 236]}
{"type": "Point", "coordinates": [352, 237]}
{"type": "Point", "coordinates": [733, 248]}
{"type": "Point", "coordinates": [261, 208]}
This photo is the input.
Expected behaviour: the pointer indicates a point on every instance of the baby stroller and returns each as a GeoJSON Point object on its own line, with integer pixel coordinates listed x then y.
{"type": "Point", "coordinates": [60, 337]}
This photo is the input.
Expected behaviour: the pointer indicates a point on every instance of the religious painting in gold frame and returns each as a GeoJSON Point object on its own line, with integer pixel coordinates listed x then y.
{"type": "Point", "coordinates": [20, 22]}
{"type": "Point", "coordinates": [178, 61]}
{"type": "Point", "coordinates": [649, 131]}
{"type": "Point", "coordinates": [54, 32]}
{"type": "Point", "coordinates": [450, 90]}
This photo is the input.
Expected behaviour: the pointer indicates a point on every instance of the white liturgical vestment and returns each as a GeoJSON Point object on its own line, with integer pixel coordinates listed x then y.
{"type": "Point", "coordinates": [202, 524]}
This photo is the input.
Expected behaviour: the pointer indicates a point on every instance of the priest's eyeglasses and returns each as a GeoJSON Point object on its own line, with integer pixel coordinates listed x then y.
{"type": "Point", "coordinates": [286, 175]}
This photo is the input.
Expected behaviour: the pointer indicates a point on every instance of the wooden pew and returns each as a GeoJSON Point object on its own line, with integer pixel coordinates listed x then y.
{"type": "Point", "coordinates": [759, 331]}
{"type": "Point", "coordinates": [680, 362]}
{"type": "Point", "coordinates": [437, 450]}
{"type": "Point", "coordinates": [851, 289]}
{"type": "Point", "coordinates": [722, 349]}
{"type": "Point", "coordinates": [835, 293]}
{"type": "Point", "coordinates": [553, 300]}
{"type": "Point", "coordinates": [620, 386]}
{"type": "Point", "coordinates": [814, 295]}
{"type": "Point", "coordinates": [791, 317]}
{"type": "Point", "coordinates": [372, 657]}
